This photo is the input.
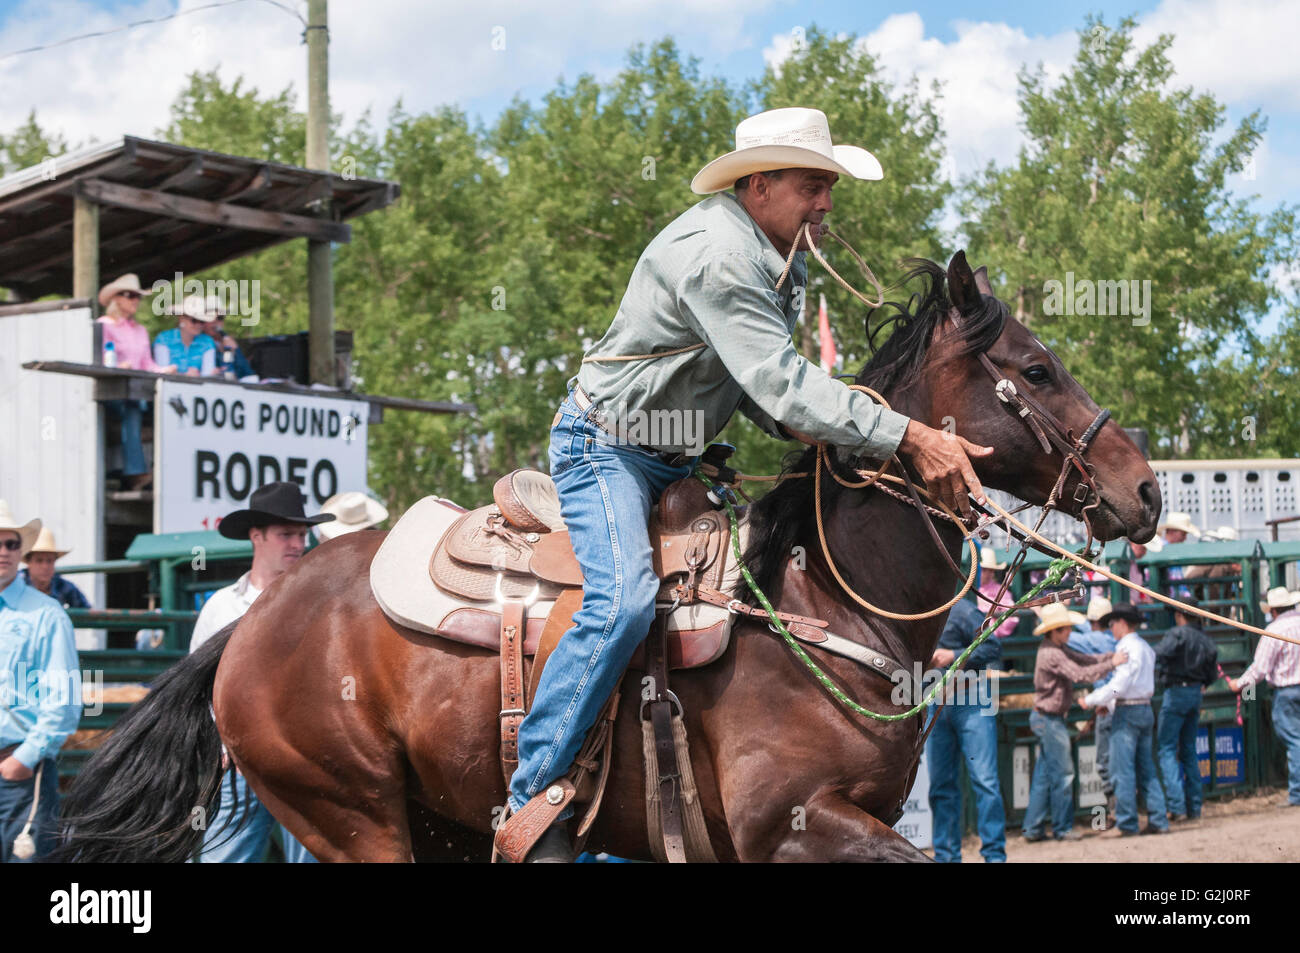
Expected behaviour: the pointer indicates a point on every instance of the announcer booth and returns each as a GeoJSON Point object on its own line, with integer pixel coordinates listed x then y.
{"type": "Point", "coordinates": [161, 211]}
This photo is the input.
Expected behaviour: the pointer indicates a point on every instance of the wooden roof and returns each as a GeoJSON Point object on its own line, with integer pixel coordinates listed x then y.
{"type": "Point", "coordinates": [166, 208]}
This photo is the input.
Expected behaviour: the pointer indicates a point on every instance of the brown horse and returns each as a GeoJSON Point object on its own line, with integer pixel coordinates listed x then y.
{"type": "Point", "coordinates": [373, 742]}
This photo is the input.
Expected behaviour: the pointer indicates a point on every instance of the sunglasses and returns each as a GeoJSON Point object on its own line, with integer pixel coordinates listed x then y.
{"type": "Point", "coordinates": [134, 296]}
{"type": "Point", "coordinates": [13, 545]}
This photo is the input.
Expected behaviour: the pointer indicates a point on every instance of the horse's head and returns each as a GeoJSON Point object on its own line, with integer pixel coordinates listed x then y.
{"type": "Point", "coordinates": [1036, 419]}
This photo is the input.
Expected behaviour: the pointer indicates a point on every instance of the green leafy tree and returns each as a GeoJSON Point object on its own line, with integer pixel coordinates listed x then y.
{"type": "Point", "coordinates": [1119, 180]}
{"type": "Point", "coordinates": [29, 145]}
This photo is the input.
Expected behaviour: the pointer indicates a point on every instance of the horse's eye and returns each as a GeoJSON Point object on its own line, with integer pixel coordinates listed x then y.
{"type": "Point", "coordinates": [1037, 374]}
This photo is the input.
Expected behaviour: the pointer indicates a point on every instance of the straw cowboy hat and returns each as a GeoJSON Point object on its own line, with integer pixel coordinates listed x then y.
{"type": "Point", "coordinates": [45, 544]}
{"type": "Point", "coordinates": [1223, 534]}
{"type": "Point", "coordinates": [214, 307]}
{"type": "Point", "coordinates": [1179, 521]}
{"type": "Point", "coordinates": [989, 559]}
{"type": "Point", "coordinates": [1098, 607]}
{"type": "Point", "coordinates": [1056, 616]}
{"type": "Point", "coordinates": [127, 282]}
{"type": "Point", "coordinates": [273, 503]}
{"type": "Point", "coordinates": [791, 138]}
{"type": "Point", "coordinates": [27, 532]}
{"type": "Point", "coordinates": [353, 511]}
{"type": "Point", "coordinates": [1280, 598]}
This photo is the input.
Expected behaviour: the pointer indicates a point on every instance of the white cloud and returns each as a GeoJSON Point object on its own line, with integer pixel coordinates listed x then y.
{"type": "Point", "coordinates": [1244, 53]}
{"type": "Point", "coordinates": [380, 50]}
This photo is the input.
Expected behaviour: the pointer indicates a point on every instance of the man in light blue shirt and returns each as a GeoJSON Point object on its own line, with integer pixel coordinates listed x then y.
{"type": "Point", "coordinates": [703, 330]}
{"type": "Point", "coordinates": [1097, 640]}
{"type": "Point", "coordinates": [40, 698]}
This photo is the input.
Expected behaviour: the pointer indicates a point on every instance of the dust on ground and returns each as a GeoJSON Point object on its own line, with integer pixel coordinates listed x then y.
{"type": "Point", "coordinates": [1252, 828]}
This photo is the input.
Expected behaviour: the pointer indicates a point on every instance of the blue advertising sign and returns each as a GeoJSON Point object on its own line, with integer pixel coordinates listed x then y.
{"type": "Point", "coordinates": [1229, 755]}
{"type": "Point", "coordinates": [1203, 751]}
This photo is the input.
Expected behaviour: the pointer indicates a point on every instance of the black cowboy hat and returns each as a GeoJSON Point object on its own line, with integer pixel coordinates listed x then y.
{"type": "Point", "coordinates": [1122, 610]}
{"type": "Point", "coordinates": [273, 503]}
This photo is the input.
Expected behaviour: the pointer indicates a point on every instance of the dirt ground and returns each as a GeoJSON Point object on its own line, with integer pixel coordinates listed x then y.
{"type": "Point", "coordinates": [1254, 829]}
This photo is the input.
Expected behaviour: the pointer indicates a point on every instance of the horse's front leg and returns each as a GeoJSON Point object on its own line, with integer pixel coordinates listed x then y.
{"type": "Point", "coordinates": [828, 829]}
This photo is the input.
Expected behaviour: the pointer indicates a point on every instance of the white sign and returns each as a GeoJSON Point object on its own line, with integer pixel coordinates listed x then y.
{"type": "Point", "coordinates": [1020, 777]}
{"type": "Point", "coordinates": [217, 443]}
{"type": "Point", "coordinates": [917, 823]}
{"type": "Point", "coordinates": [1091, 790]}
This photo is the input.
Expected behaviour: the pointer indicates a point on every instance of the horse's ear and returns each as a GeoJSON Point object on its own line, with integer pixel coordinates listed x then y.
{"type": "Point", "coordinates": [982, 280]}
{"type": "Point", "coordinates": [962, 291]}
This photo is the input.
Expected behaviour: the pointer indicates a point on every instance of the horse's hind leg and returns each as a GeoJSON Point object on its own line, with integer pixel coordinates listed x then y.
{"type": "Point", "coordinates": [832, 830]}
{"type": "Point", "coordinates": [340, 818]}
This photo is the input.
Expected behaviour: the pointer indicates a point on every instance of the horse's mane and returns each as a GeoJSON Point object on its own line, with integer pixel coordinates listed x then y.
{"type": "Point", "coordinates": [784, 517]}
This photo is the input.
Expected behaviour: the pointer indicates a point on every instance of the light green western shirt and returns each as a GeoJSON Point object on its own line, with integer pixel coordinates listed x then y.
{"type": "Point", "coordinates": [710, 276]}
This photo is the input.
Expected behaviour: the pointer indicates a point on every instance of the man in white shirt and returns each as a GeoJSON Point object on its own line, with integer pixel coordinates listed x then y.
{"type": "Point", "coordinates": [1128, 697]}
{"type": "Point", "coordinates": [277, 527]}
{"type": "Point", "coordinates": [1278, 662]}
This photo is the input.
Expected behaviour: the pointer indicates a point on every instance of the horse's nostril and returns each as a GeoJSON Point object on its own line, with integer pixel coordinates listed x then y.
{"type": "Point", "coordinates": [1150, 497]}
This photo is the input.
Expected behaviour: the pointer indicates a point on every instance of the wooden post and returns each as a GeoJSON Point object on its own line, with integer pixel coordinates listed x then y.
{"type": "Point", "coordinates": [85, 251]}
{"type": "Point", "coordinates": [320, 279]}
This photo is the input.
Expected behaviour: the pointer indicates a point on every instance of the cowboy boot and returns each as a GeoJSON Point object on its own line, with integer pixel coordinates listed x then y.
{"type": "Point", "coordinates": [553, 847]}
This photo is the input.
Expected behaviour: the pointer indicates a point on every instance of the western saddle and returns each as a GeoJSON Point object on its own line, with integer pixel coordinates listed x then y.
{"type": "Point", "coordinates": [505, 577]}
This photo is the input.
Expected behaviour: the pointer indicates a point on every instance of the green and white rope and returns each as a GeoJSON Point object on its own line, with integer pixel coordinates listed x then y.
{"type": "Point", "coordinates": [1055, 572]}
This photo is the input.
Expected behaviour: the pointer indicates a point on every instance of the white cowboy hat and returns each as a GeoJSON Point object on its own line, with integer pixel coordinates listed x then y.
{"type": "Point", "coordinates": [1098, 606]}
{"type": "Point", "coordinates": [214, 307]}
{"type": "Point", "coordinates": [127, 282]}
{"type": "Point", "coordinates": [1056, 616]}
{"type": "Point", "coordinates": [45, 544]}
{"type": "Point", "coordinates": [192, 306]}
{"type": "Point", "coordinates": [27, 532]}
{"type": "Point", "coordinates": [1223, 534]}
{"type": "Point", "coordinates": [989, 559]}
{"type": "Point", "coordinates": [791, 138]}
{"type": "Point", "coordinates": [1179, 521]}
{"type": "Point", "coordinates": [1280, 598]}
{"type": "Point", "coordinates": [354, 511]}
{"type": "Point", "coordinates": [1152, 545]}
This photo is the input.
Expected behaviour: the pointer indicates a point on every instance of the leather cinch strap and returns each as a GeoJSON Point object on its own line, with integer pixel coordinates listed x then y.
{"type": "Point", "coordinates": [513, 702]}
{"type": "Point", "coordinates": [661, 720]}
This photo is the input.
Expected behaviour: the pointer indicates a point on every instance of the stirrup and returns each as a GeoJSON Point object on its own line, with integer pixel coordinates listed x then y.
{"type": "Point", "coordinates": [520, 832]}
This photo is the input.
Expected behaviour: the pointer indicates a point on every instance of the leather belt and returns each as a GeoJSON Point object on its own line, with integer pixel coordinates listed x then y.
{"type": "Point", "coordinates": [585, 403]}
{"type": "Point", "coordinates": [1133, 701]}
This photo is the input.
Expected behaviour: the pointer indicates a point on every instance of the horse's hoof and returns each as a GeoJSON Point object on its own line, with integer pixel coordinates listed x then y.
{"type": "Point", "coordinates": [553, 847]}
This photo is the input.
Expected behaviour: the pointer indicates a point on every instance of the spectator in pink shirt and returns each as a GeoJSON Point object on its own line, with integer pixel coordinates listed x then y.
{"type": "Point", "coordinates": [990, 583]}
{"type": "Point", "coordinates": [131, 351]}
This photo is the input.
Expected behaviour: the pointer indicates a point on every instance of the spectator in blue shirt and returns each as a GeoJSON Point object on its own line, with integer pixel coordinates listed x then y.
{"type": "Point", "coordinates": [40, 700]}
{"type": "Point", "coordinates": [1099, 641]}
{"type": "Point", "coordinates": [40, 574]}
{"type": "Point", "coordinates": [966, 730]}
{"type": "Point", "coordinates": [186, 346]}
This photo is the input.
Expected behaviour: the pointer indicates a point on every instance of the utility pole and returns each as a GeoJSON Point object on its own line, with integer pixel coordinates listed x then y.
{"type": "Point", "coordinates": [320, 278]}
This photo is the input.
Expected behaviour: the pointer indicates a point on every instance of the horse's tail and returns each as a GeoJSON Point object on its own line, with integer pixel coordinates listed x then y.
{"type": "Point", "coordinates": [139, 796]}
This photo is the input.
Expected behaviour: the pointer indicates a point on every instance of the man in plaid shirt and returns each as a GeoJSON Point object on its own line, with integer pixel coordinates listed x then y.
{"type": "Point", "coordinates": [1278, 662]}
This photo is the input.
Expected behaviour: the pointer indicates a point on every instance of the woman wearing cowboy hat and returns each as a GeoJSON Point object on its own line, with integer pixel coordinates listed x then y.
{"type": "Point", "coordinates": [120, 299]}
{"type": "Point", "coordinates": [703, 330]}
{"type": "Point", "coordinates": [1056, 669]}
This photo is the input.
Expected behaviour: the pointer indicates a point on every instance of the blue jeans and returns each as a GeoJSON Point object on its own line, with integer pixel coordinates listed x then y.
{"type": "Point", "coordinates": [1053, 781]}
{"type": "Point", "coordinates": [16, 804]}
{"type": "Point", "coordinates": [243, 838]}
{"type": "Point", "coordinates": [1286, 725]}
{"type": "Point", "coordinates": [606, 492]}
{"type": "Point", "coordinates": [1102, 730]}
{"type": "Point", "coordinates": [1133, 767]}
{"type": "Point", "coordinates": [969, 732]}
{"type": "Point", "coordinates": [130, 413]}
{"type": "Point", "coordinates": [1176, 746]}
